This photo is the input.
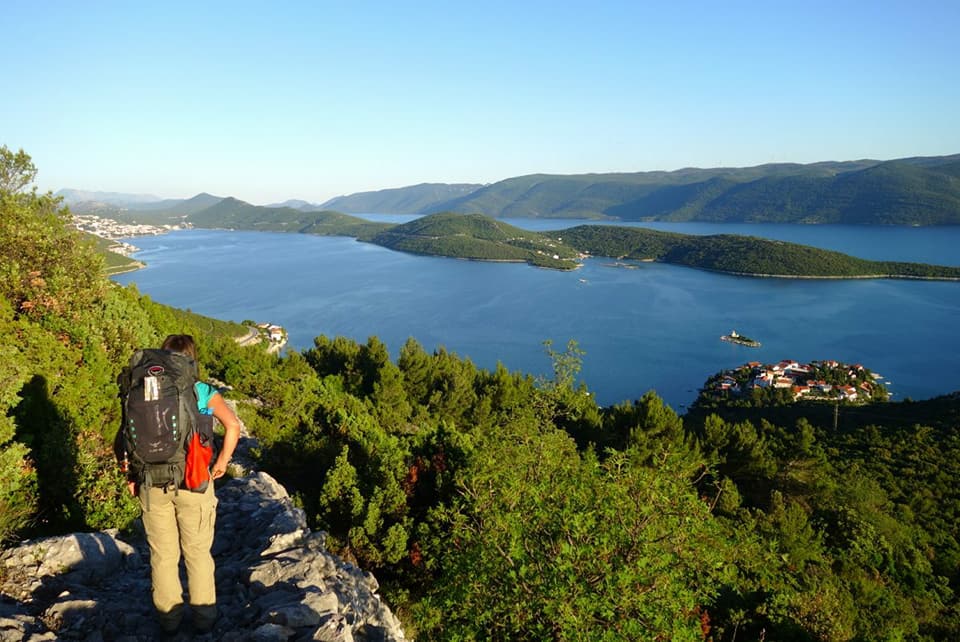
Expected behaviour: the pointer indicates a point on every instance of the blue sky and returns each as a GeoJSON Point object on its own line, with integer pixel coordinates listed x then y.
{"type": "Point", "coordinates": [268, 101]}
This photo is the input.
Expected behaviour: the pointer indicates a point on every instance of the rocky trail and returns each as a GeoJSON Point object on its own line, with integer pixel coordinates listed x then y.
{"type": "Point", "coordinates": [275, 580]}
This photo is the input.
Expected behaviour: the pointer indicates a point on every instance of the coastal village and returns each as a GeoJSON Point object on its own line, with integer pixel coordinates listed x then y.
{"type": "Point", "coordinates": [115, 230]}
{"type": "Point", "coordinates": [818, 380]}
{"type": "Point", "coordinates": [111, 229]}
{"type": "Point", "coordinates": [273, 335]}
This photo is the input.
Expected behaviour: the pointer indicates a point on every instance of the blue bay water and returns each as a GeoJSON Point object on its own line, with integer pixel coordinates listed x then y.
{"type": "Point", "coordinates": [653, 327]}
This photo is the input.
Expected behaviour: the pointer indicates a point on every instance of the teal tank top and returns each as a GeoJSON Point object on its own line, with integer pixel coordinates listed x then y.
{"type": "Point", "coordinates": [205, 393]}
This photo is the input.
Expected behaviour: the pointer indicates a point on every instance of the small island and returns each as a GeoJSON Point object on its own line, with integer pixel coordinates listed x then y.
{"type": "Point", "coordinates": [739, 339]}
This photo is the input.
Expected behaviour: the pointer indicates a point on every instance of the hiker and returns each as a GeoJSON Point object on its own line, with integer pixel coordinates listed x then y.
{"type": "Point", "coordinates": [177, 519]}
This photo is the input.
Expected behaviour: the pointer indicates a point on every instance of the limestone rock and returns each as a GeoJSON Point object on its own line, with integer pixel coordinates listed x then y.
{"type": "Point", "coordinates": [275, 580]}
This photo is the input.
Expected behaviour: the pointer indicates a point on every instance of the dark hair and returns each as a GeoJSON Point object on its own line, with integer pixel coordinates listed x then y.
{"type": "Point", "coordinates": [181, 343]}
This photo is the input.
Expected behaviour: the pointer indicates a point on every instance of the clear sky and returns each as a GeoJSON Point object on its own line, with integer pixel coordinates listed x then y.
{"type": "Point", "coordinates": [267, 101]}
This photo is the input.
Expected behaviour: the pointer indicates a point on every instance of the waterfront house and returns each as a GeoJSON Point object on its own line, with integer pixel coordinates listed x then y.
{"type": "Point", "coordinates": [848, 393]}
{"type": "Point", "coordinates": [783, 382]}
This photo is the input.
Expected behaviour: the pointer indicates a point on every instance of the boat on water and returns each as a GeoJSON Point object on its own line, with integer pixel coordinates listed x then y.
{"type": "Point", "coordinates": [739, 339]}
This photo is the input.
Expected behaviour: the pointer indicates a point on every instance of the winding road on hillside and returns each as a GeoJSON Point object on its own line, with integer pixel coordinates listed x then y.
{"type": "Point", "coordinates": [252, 336]}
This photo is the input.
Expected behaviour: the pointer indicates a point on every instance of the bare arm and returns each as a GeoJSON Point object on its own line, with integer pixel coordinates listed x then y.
{"type": "Point", "coordinates": [231, 427]}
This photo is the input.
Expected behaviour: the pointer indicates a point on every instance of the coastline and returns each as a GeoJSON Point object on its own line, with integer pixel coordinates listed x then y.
{"type": "Point", "coordinates": [530, 262]}
{"type": "Point", "coordinates": [147, 230]}
{"type": "Point", "coordinates": [905, 277]}
{"type": "Point", "coordinates": [763, 275]}
{"type": "Point", "coordinates": [357, 270]}
{"type": "Point", "coordinates": [131, 267]}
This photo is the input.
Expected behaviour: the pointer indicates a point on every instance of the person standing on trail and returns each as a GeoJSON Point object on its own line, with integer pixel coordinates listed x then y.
{"type": "Point", "coordinates": [180, 520]}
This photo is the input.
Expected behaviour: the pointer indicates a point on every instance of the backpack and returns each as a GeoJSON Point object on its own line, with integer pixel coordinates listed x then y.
{"type": "Point", "coordinates": [164, 435]}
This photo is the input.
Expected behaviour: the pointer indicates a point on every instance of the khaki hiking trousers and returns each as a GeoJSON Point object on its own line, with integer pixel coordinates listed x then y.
{"type": "Point", "coordinates": [181, 521]}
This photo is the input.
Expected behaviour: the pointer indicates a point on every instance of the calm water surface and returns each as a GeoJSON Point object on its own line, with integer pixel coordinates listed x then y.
{"type": "Point", "coordinates": [653, 327]}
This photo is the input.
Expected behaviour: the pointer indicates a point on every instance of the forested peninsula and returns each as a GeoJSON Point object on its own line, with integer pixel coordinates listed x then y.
{"type": "Point", "coordinates": [478, 237]}
{"type": "Point", "coordinates": [493, 504]}
{"type": "Point", "coordinates": [744, 255]}
{"type": "Point", "coordinates": [474, 236]}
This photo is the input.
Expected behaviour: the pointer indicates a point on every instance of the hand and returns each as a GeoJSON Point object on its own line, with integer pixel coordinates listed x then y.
{"type": "Point", "coordinates": [219, 468]}
{"type": "Point", "coordinates": [132, 487]}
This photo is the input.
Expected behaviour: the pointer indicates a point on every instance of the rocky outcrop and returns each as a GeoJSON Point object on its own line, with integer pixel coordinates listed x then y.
{"type": "Point", "coordinates": [275, 580]}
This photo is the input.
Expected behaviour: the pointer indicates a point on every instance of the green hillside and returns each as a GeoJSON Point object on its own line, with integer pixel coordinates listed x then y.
{"type": "Point", "coordinates": [476, 237]}
{"type": "Point", "coordinates": [404, 200]}
{"type": "Point", "coordinates": [164, 212]}
{"type": "Point", "coordinates": [231, 213]}
{"type": "Point", "coordinates": [915, 191]}
{"type": "Point", "coordinates": [113, 262]}
{"type": "Point", "coordinates": [737, 254]}
{"type": "Point", "coordinates": [889, 193]}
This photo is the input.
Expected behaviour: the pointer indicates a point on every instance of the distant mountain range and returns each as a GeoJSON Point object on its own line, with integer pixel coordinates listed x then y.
{"type": "Point", "coordinates": [73, 196]}
{"type": "Point", "coordinates": [297, 204]}
{"type": "Point", "coordinates": [907, 191]}
{"type": "Point", "coordinates": [416, 199]}
{"type": "Point", "coordinates": [917, 191]}
{"type": "Point", "coordinates": [127, 206]}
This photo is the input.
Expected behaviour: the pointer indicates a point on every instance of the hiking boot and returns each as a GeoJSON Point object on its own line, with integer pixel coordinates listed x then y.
{"type": "Point", "coordinates": [204, 617]}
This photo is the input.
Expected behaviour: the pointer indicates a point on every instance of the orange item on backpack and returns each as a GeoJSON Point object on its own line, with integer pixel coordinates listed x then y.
{"type": "Point", "coordinates": [197, 465]}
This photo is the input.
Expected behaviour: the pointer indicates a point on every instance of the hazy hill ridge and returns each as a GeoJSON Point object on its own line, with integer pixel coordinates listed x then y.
{"type": "Point", "coordinates": [231, 213]}
{"type": "Point", "coordinates": [907, 191]}
{"type": "Point", "coordinates": [297, 204]}
{"type": "Point", "coordinates": [415, 199]}
{"type": "Point", "coordinates": [915, 191]}
{"type": "Point", "coordinates": [74, 196]}
{"type": "Point", "coordinates": [135, 208]}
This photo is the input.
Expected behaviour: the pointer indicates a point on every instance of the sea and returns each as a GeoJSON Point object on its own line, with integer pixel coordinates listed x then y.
{"type": "Point", "coordinates": [645, 327]}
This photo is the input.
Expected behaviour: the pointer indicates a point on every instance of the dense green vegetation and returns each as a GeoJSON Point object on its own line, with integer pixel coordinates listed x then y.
{"type": "Point", "coordinates": [476, 237]}
{"type": "Point", "coordinates": [65, 330]}
{"type": "Point", "coordinates": [919, 191]}
{"type": "Point", "coordinates": [494, 505]}
{"type": "Point", "coordinates": [114, 263]}
{"type": "Point", "coordinates": [235, 214]}
{"type": "Point", "coordinates": [490, 504]}
{"type": "Point", "coordinates": [736, 254]}
{"type": "Point", "coordinates": [403, 200]}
